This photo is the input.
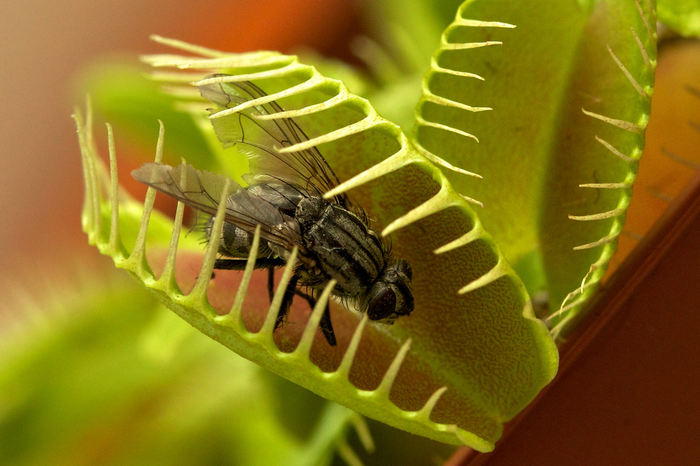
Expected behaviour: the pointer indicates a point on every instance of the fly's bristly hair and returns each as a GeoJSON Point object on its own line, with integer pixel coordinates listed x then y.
{"type": "Point", "coordinates": [334, 237]}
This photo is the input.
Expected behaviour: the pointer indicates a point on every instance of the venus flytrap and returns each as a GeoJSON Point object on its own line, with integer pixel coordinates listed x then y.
{"type": "Point", "coordinates": [557, 96]}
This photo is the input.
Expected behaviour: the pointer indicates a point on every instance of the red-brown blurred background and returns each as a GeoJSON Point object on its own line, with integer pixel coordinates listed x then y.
{"type": "Point", "coordinates": [44, 46]}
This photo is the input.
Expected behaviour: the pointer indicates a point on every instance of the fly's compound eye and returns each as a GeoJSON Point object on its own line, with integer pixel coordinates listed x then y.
{"type": "Point", "coordinates": [382, 305]}
{"type": "Point", "coordinates": [403, 267]}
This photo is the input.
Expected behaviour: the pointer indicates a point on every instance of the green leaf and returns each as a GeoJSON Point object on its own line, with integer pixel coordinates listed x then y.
{"type": "Point", "coordinates": [472, 332]}
{"type": "Point", "coordinates": [681, 15]}
{"type": "Point", "coordinates": [539, 84]}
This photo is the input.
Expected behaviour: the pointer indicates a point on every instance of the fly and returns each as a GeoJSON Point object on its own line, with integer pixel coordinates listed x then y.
{"type": "Point", "coordinates": [285, 197]}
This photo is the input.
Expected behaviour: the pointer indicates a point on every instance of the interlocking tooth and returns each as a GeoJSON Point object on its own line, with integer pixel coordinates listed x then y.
{"type": "Point", "coordinates": [370, 121]}
{"type": "Point", "coordinates": [88, 211]}
{"type": "Point", "coordinates": [626, 125]}
{"type": "Point", "coordinates": [600, 216]}
{"type": "Point", "coordinates": [391, 373]}
{"type": "Point", "coordinates": [303, 349]}
{"type": "Point", "coordinates": [424, 414]}
{"type": "Point", "coordinates": [643, 50]}
{"type": "Point", "coordinates": [260, 75]}
{"type": "Point", "coordinates": [423, 122]}
{"type": "Point", "coordinates": [167, 281]}
{"type": "Point", "coordinates": [341, 97]}
{"type": "Point", "coordinates": [475, 233]}
{"type": "Point", "coordinates": [114, 243]}
{"type": "Point", "coordinates": [482, 24]}
{"type": "Point", "coordinates": [346, 453]}
{"type": "Point", "coordinates": [199, 292]}
{"type": "Point", "coordinates": [362, 430]}
{"type": "Point", "coordinates": [499, 270]}
{"type": "Point", "coordinates": [468, 45]}
{"type": "Point", "coordinates": [137, 259]}
{"type": "Point", "coordinates": [271, 319]}
{"type": "Point", "coordinates": [399, 160]}
{"type": "Point", "coordinates": [681, 160]}
{"type": "Point", "coordinates": [435, 204]}
{"type": "Point", "coordinates": [435, 68]}
{"type": "Point", "coordinates": [606, 185]}
{"type": "Point", "coordinates": [652, 33]}
{"type": "Point", "coordinates": [428, 96]}
{"type": "Point", "coordinates": [344, 368]}
{"type": "Point", "coordinates": [236, 309]}
{"type": "Point", "coordinates": [629, 76]}
{"type": "Point", "coordinates": [612, 149]}
{"type": "Point", "coordinates": [305, 86]}
{"type": "Point", "coordinates": [184, 46]}
{"type": "Point", "coordinates": [604, 240]}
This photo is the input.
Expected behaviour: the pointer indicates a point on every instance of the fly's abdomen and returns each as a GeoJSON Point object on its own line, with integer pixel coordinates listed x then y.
{"type": "Point", "coordinates": [346, 248]}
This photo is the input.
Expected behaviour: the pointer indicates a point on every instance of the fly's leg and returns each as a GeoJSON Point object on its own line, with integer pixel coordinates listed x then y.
{"type": "Point", "coordinates": [271, 283]}
{"type": "Point", "coordinates": [287, 300]}
{"type": "Point", "coordinates": [325, 323]}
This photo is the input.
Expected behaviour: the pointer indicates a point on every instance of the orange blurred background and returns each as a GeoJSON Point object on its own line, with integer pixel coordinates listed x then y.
{"type": "Point", "coordinates": [44, 46]}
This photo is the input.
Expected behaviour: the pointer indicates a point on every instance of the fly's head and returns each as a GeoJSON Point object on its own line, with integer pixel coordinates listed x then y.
{"type": "Point", "coordinates": [391, 297]}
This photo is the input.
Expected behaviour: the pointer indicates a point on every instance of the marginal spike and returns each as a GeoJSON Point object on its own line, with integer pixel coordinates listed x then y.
{"type": "Point", "coordinates": [271, 319]}
{"type": "Point", "coordinates": [492, 275]}
{"type": "Point", "coordinates": [349, 356]}
{"type": "Point", "coordinates": [305, 86]}
{"type": "Point", "coordinates": [435, 68]}
{"type": "Point", "coordinates": [435, 204]}
{"type": "Point", "coordinates": [436, 99]}
{"type": "Point", "coordinates": [443, 163]}
{"type": "Point", "coordinates": [468, 45]}
{"type": "Point", "coordinates": [371, 120]}
{"type": "Point", "coordinates": [182, 77]}
{"type": "Point", "coordinates": [303, 349]}
{"type": "Point", "coordinates": [137, 259]}
{"type": "Point", "coordinates": [681, 160]}
{"type": "Point", "coordinates": [424, 414]}
{"type": "Point", "coordinates": [632, 235]}
{"type": "Point", "coordinates": [600, 216]}
{"type": "Point", "coordinates": [609, 146]}
{"type": "Point", "coordinates": [391, 373]}
{"type": "Point", "coordinates": [652, 34]}
{"type": "Point", "coordinates": [199, 292]}
{"type": "Point", "coordinates": [236, 309]}
{"type": "Point", "coordinates": [186, 47]}
{"type": "Point", "coordinates": [557, 329]}
{"type": "Point", "coordinates": [243, 60]}
{"type": "Point", "coordinates": [629, 76]}
{"type": "Point", "coordinates": [363, 433]}
{"type": "Point", "coordinates": [114, 243]}
{"type": "Point", "coordinates": [346, 453]}
{"type": "Point", "coordinates": [399, 160]}
{"type": "Point", "coordinates": [482, 24]}
{"type": "Point", "coordinates": [342, 96]}
{"type": "Point", "coordinates": [622, 124]}
{"type": "Point", "coordinates": [235, 78]}
{"type": "Point", "coordinates": [566, 307]}
{"type": "Point", "coordinates": [659, 195]}
{"type": "Point", "coordinates": [167, 281]}
{"type": "Point", "coordinates": [604, 240]}
{"type": "Point", "coordinates": [421, 121]}
{"type": "Point", "coordinates": [645, 55]}
{"type": "Point", "coordinates": [476, 232]}
{"type": "Point", "coordinates": [606, 185]}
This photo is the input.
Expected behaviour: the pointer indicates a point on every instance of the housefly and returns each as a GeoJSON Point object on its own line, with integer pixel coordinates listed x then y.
{"type": "Point", "coordinates": [285, 197]}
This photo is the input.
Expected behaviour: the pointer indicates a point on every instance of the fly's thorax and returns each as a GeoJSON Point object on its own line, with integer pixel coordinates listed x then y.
{"type": "Point", "coordinates": [346, 249]}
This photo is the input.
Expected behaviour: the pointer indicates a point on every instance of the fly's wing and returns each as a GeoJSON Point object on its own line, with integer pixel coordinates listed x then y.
{"type": "Point", "coordinates": [260, 139]}
{"type": "Point", "coordinates": [202, 190]}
